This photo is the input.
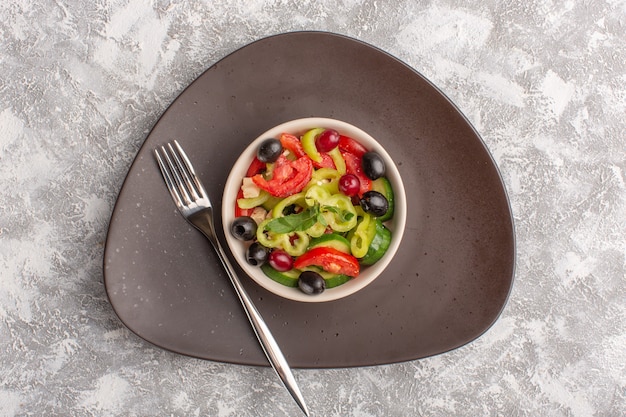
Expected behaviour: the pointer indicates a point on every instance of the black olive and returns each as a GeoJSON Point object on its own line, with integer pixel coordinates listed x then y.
{"type": "Point", "coordinates": [373, 165]}
{"type": "Point", "coordinates": [244, 228]}
{"type": "Point", "coordinates": [269, 150]}
{"type": "Point", "coordinates": [375, 203]}
{"type": "Point", "coordinates": [311, 282]}
{"type": "Point", "coordinates": [257, 254]}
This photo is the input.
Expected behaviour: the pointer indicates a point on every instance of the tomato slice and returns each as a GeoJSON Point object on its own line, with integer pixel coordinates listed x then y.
{"type": "Point", "coordinates": [289, 177]}
{"type": "Point", "coordinates": [347, 144]}
{"type": "Point", "coordinates": [353, 166]}
{"type": "Point", "coordinates": [330, 259]}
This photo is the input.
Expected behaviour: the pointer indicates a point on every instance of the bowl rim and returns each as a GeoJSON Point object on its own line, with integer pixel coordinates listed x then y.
{"type": "Point", "coordinates": [396, 224]}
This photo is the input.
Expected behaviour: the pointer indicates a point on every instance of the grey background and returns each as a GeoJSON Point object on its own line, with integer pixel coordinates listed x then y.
{"type": "Point", "coordinates": [543, 82]}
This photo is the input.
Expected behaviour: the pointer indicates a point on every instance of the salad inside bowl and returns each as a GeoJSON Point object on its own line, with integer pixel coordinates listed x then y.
{"type": "Point", "coordinates": [314, 209]}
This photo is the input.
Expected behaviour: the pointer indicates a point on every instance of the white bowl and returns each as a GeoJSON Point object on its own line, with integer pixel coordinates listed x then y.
{"type": "Point", "coordinates": [395, 225]}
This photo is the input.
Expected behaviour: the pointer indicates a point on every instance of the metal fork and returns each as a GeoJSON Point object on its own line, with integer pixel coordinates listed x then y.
{"type": "Point", "coordinates": [194, 204]}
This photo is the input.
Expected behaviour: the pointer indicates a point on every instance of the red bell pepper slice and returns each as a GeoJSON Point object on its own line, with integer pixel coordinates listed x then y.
{"type": "Point", "coordinates": [292, 144]}
{"type": "Point", "coordinates": [282, 169]}
{"type": "Point", "coordinates": [289, 177]}
{"type": "Point", "coordinates": [354, 166]}
{"type": "Point", "coordinates": [256, 167]}
{"type": "Point", "coordinates": [326, 162]}
{"type": "Point", "coordinates": [331, 260]}
{"type": "Point", "coordinates": [347, 144]}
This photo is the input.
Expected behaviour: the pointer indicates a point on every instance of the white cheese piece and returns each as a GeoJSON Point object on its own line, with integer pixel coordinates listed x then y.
{"type": "Point", "coordinates": [258, 214]}
{"type": "Point", "coordinates": [249, 188]}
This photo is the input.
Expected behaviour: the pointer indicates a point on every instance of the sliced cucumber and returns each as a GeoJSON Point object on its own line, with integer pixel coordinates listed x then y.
{"type": "Point", "coordinates": [379, 245]}
{"type": "Point", "coordinates": [288, 278]}
{"type": "Point", "coordinates": [383, 186]}
{"type": "Point", "coordinates": [332, 280]}
{"type": "Point", "coordinates": [332, 240]}
{"type": "Point", "coordinates": [335, 280]}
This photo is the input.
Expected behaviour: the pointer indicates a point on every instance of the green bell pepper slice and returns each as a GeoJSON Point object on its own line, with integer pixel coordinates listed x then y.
{"type": "Point", "coordinates": [317, 230]}
{"type": "Point", "coordinates": [308, 144]}
{"type": "Point", "coordinates": [379, 245]}
{"type": "Point", "coordinates": [327, 178]}
{"type": "Point", "coordinates": [363, 235]}
{"type": "Point", "coordinates": [294, 243]}
{"type": "Point", "coordinates": [317, 194]}
{"type": "Point", "coordinates": [337, 209]}
{"type": "Point", "coordinates": [339, 213]}
{"type": "Point", "coordinates": [267, 238]}
{"type": "Point", "coordinates": [340, 163]}
{"type": "Point", "coordinates": [279, 208]}
{"type": "Point", "coordinates": [252, 202]}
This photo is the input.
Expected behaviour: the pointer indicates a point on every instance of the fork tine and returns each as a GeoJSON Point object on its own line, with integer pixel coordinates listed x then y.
{"type": "Point", "coordinates": [183, 168]}
{"type": "Point", "coordinates": [167, 176]}
{"type": "Point", "coordinates": [177, 172]}
{"type": "Point", "coordinates": [192, 173]}
{"type": "Point", "coordinates": [182, 176]}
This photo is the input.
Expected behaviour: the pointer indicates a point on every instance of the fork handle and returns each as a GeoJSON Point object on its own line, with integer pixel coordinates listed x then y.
{"type": "Point", "coordinates": [204, 223]}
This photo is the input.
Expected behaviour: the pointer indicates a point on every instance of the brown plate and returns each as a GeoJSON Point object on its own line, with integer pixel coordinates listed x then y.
{"type": "Point", "coordinates": [446, 285]}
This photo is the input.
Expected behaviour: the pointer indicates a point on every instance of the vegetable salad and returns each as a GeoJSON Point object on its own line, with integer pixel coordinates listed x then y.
{"type": "Point", "coordinates": [313, 209]}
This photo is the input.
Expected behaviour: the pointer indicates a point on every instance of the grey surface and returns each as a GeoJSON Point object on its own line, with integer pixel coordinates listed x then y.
{"type": "Point", "coordinates": [543, 82]}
